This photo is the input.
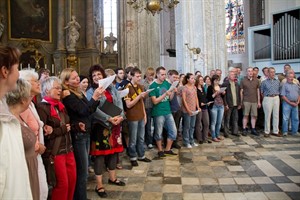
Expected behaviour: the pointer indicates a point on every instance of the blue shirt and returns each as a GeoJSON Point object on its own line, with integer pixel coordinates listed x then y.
{"type": "Point", "coordinates": [270, 87]}
{"type": "Point", "coordinates": [291, 91]}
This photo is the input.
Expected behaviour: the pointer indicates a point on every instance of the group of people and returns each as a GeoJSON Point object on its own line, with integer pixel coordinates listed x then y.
{"type": "Point", "coordinates": [53, 128]}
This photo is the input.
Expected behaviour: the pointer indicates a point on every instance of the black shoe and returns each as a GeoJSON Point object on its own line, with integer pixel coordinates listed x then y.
{"type": "Point", "coordinates": [245, 132]}
{"type": "Point", "coordinates": [100, 193]}
{"type": "Point", "coordinates": [170, 152]}
{"type": "Point", "coordinates": [201, 142]}
{"type": "Point", "coordinates": [254, 132]}
{"type": "Point", "coordinates": [209, 141]}
{"type": "Point", "coordinates": [116, 182]}
{"type": "Point", "coordinates": [176, 146]}
{"type": "Point", "coordinates": [226, 135]}
{"type": "Point", "coordinates": [134, 163]}
{"type": "Point", "coordinates": [145, 160]}
{"type": "Point", "coordinates": [161, 154]}
{"type": "Point", "coordinates": [236, 134]}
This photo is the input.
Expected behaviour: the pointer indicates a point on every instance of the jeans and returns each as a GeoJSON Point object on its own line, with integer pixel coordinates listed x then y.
{"type": "Point", "coordinates": [289, 112]}
{"type": "Point", "coordinates": [188, 129]}
{"type": "Point", "coordinates": [136, 139]}
{"type": "Point", "coordinates": [231, 113]}
{"type": "Point", "coordinates": [166, 121]}
{"type": "Point", "coordinates": [81, 145]}
{"type": "Point", "coordinates": [148, 133]}
{"type": "Point", "coordinates": [216, 120]}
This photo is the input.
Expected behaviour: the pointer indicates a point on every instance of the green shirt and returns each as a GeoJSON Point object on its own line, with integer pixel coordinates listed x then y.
{"type": "Point", "coordinates": [163, 107]}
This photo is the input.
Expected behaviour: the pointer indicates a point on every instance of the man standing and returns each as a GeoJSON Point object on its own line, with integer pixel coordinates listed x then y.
{"type": "Point", "coordinates": [173, 76]}
{"type": "Point", "coordinates": [136, 117]}
{"type": "Point", "coordinates": [286, 68]}
{"type": "Point", "coordinates": [290, 93]}
{"type": "Point", "coordinates": [250, 98]}
{"type": "Point", "coordinates": [120, 74]}
{"type": "Point", "coordinates": [265, 71]}
{"type": "Point", "coordinates": [232, 104]}
{"type": "Point", "coordinates": [255, 73]}
{"type": "Point", "coordinates": [270, 90]}
{"type": "Point", "coordinates": [161, 112]}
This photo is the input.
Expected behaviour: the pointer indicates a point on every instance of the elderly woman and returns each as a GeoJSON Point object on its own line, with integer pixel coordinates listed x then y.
{"type": "Point", "coordinates": [18, 101]}
{"type": "Point", "coordinates": [80, 123]}
{"type": "Point", "coordinates": [12, 163]}
{"type": "Point", "coordinates": [32, 119]}
{"type": "Point", "coordinates": [58, 142]}
{"type": "Point", "coordinates": [106, 140]}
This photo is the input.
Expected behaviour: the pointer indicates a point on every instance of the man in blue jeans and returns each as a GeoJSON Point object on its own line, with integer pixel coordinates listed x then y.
{"type": "Point", "coordinates": [290, 93]}
{"type": "Point", "coordinates": [161, 112]}
{"type": "Point", "coordinates": [136, 117]}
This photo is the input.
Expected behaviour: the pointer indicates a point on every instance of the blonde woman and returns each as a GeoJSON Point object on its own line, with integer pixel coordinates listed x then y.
{"type": "Point", "coordinates": [80, 124]}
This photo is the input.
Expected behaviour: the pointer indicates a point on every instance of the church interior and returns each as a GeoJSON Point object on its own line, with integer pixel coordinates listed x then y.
{"type": "Point", "coordinates": [189, 36]}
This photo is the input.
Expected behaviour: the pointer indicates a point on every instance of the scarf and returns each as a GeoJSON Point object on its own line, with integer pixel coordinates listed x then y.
{"type": "Point", "coordinates": [55, 103]}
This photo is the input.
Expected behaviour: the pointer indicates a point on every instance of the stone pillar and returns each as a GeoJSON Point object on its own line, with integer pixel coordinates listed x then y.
{"type": "Point", "coordinates": [139, 33]}
{"type": "Point", "coordinates": [201, 25]}
{"type": "Point", "coordinates": [90, 43]}
{"type": "Point", "coordinates": [60, 32]}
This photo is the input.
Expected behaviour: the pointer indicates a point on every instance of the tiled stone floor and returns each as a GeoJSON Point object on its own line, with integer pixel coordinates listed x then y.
{"type": "Point", "coordinates": [249, 167]}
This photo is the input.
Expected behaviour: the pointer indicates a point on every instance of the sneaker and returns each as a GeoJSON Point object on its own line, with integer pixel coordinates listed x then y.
{"type": "Point", "coordinates": [189, 146]}
{"type": "Point", "coordinates": [150, 146]}
{"type": "Point", "coordinates": [195, 144]}
{"type": "Point", "coordinates": [215, 140]}
{"type": "Point", "coordinates": [91, 170]}
{"type": "Point", "coordinates": [170, 152]}
{"type": "Point", "coordinates": [134, 163]}
{"type": "Point", "coordinates": [245, 132]}
{"type": "Point", "coordinates": [161, 154]}
{"type": "Point", "coordinates": [145, 160]}
{"type": "Point", "coordinates": [254, 132]}
{"type": "Point", "coordinates": [284, 134]}
{"type": "Point", "coordinates": [176, 145]}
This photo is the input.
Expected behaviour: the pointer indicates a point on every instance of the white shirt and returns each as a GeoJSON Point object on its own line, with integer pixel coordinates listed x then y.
{"type": "Point", "coordinates": [14, 178]}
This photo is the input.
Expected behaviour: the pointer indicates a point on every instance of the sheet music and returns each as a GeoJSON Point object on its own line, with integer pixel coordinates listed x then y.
{"type": "Point", "coordinates": [106, 81]}
{"type": "Point", "coordinates": [123, 93]}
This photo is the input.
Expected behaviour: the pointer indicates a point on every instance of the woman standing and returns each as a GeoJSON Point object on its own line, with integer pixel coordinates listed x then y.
{"type": "Point", "coordinates": [32, 119]}
{"type": "Point", "coordinates": [190, 105]}
{"type": "Point", "coordinates": [80, 124]}
{"type": "Point", "coordinates": [18, 101]}
{"type": "Point", "coordinates": [216, 108]}
{"type": "Point", "coordinates": [84, 84]}
{"type": "Point", "coordinates": [11, 144]}
{"type": "Point", "coordinates": [202, 118]}
{"type": "Point", "coordinates": [58, 143]}
{"type": "Point", "coordinates": [106, 133]}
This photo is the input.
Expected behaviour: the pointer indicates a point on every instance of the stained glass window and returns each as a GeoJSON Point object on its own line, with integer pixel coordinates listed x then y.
{"type": "Point", "coordinates": [235, 38]}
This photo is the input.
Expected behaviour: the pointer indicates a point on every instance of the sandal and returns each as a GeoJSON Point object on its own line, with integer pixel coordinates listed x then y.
{"type": "Point", "coordinates": [101, 192]}
{"type": "Point", "coordinates": [116, 182]}
{"type": "Point", "coordinates": [119, 166]}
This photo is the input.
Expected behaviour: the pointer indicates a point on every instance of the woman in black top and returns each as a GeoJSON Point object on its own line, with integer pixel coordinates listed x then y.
{"type": "Point", "coordinates": [202, 119]}
{"type": "Point", "coordinates": [79, 110]}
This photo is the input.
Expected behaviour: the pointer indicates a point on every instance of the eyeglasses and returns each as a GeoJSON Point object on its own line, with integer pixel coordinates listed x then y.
{"type": "Point", "coordinates": [57, 88]}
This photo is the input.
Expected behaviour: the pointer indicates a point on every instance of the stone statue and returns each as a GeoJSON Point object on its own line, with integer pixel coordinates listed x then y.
{"type": "Point", "coordinates": [110, 40]}
{"type": "Point", "coordinates": [73, 33]}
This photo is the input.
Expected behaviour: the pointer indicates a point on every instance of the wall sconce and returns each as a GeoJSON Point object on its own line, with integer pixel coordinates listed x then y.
{"type": "Point", "coordinates": [194, 50]}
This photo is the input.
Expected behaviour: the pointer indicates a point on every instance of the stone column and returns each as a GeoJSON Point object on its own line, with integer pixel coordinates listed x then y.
{"type": "Point", "coordinates": [139, 33]}
{"type": "Point", "coordinates": [90, 43]}
{"type": "Point", "coordinates": [201, 24]}
{"type": "Point", "coordinates": [60, 33]}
